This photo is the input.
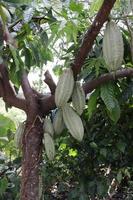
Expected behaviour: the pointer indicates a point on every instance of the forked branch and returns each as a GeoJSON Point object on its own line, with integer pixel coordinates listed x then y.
{"type": "Point", "coordinates": [7, 92]}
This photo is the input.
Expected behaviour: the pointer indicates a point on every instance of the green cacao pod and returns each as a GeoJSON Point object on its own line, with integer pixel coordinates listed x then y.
{"type": "Point", "coordinates": [19, 135]}
{"type": "Point", "coordinates": [131, 4]}
{"type": "Point", "coordinates": [73, 122]}
{"type": "Point", "coordinates": [113, 47]}
{"type": "Point", "coordinates": [78, 98]}
{"type": "Point", "coordinates": [49, 146]}
{"type": "Point", "coordinates": [6, 13]}
{"type": "Point", "coordinates": [48, 126]}
{"type": "Point", "coordinates": [58, 122]}
{"type": "Point", "coordinates": [64, 88]}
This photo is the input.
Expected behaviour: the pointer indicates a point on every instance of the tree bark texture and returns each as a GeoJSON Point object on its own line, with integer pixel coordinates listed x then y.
{"type": "Point", "coordinates": [32, 151]}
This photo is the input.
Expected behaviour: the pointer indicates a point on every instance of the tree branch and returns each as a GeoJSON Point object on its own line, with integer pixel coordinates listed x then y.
{"type": "Point", "coordinates": [88, 87]}
{"type": "Point", "coordinates": [7, 92]}
{"type": "Point", "coordinates": [93, 84]}
{"type": "Point", "coordinates": [31, 98]}
{"type": "Point", "coordinates": [91, 34]}
{"type": "Point", "coordinates": [50, 82]}
{"type": "Point", "coordinates": [28, 92]}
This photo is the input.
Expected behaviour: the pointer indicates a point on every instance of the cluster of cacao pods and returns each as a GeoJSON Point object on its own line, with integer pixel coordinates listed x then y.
{"type": "Point", "coordinates": [67, 88]}
{"type": "Point", "coordinates": [113, 47]}
{"type": "Point", "coordinates": [67, 114]}
{"type": "Point", "coordinates": [50, 129]}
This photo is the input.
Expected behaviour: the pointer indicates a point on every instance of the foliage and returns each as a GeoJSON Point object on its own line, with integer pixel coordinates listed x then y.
{"type": "Point", "coordinates": [87, 169]}
{"type": "Point", "coordinates": [38, 34]}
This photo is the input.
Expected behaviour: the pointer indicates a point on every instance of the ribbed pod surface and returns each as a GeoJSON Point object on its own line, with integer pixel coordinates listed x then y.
{"type": "Point", "coordinates": [113, 48]}
{"type": "Point", "coordinates": [49, 146]}
{"type": "Point", "coordinates": [58, 122]}
{"type": "Point", "coordinates": [78, 98]}
{"type": "Point", "coordinates": [48, 126]}
{"type": "Point", "coordinates": [64, 88]}
{"type": "Point", "coordinates": [73, 122]}
{"type": "Point", "coordinates": [19, 135]}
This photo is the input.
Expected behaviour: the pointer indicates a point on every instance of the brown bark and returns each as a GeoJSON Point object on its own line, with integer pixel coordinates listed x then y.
{"type": "Point", "coordinates": [7, 92]}
{"type": "Point", "coordinates": [32, 151]}
{"type": "Point", "coordinates": [32, 144]}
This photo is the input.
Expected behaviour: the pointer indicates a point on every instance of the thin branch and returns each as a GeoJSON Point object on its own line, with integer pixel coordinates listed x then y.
{"type": "Point", "coordinates": [50, 82]}
{"type": "Point", "coordinates": [93, 84]}
{"type": "Point", "coordinates": [122, 17]}
{"type": "Point", "coordinates": [35, 18]}
{"type": "Point", "coordinates": [91, 35]}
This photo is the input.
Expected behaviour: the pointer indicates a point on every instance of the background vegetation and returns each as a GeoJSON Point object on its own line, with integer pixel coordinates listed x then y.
{"type": "Point", "coordinates": [46, 35]}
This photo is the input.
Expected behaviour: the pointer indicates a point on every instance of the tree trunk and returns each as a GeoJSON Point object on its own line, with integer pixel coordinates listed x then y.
{"type": "Point", "coordinates": [32, 151]}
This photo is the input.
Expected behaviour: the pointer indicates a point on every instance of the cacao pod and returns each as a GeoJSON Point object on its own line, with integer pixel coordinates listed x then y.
{"type": "Point", "coordinates": [49, 146]}
{"type": "Point", "coordinates": [6, 13]}
{"type": "Point", "coordinates": [19, 135]}
{"type": "Point", "coordinates": [73, 122]}
{"type": "Point", "coordinates": [113, 48]}
{"type": "Point", "coordinates": [78, 98]}
{"type": "Point", "coordinates": [64, 88]}
{"type": "Point", "coordinates": [58, 122]}
{"type": "Point", "coordinates": [48, 126]}
{"type": "Point", "coordinates": [131, 3]}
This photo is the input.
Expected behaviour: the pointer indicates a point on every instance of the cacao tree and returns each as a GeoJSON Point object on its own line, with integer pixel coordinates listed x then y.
{"type": "Point", "coordinates": [39, 33]}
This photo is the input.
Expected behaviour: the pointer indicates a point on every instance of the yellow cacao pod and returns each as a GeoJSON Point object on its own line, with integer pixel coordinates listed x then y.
{"type": "Point", "coordinates": [113, 47]}
{"type": "Point", "coordinates": [48, 126]}
{"type": "Point", "coordinates": [49, 146]}
{"type": "Point", "coordinates": [73, 122]}
{"type": "Point", "coordinates": [64, 88]}
{"type": "Point", "coordinates": [19, 135]}
{"type": "Point", "coordinates": [58, 122]}
{"type": "Point", "coordinates": [78, 98]}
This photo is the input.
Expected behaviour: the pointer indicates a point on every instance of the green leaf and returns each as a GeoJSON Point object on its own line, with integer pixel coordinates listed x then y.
{"type": "Point", "coordinates": [93, 145]}
{"type": "Point", "coordinates": [112, 105]}
{"type": "Point", "coordinates": [95, 6]}
{"type": "Point", "coordinates": [101, 188]}
{"type": "Point", "coordinates": [63, 146]}
{"type": "Point", "coordinates": [73, 152]}
{"type": "Point", "coordinates": [121, 146]}
{"type": "Point", "coordinates": [15, 56]}
{"type": "Point", "coordinates": [5, 124]}
{"type": "Point", "coordinates": [107, 95]}
{"type": "Point", "coordinates": [119, 177]}
{"type": "Point", "coordinates": [103, 152]}
{"type": "Point", "coordinates": [92, 102]}
{"type": "Point", "coordinates": [44, 38]}
{"type": "Point", "coordinates": [35, 52]}
{"type": "Point", "coordinates": [114, 114]}
{"type": "Point", "coordinates": [77, 7]}
{"type": "Point", "coordinates": [28, 57]}
{"type": "Point", "coordinates": [3, 185]}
